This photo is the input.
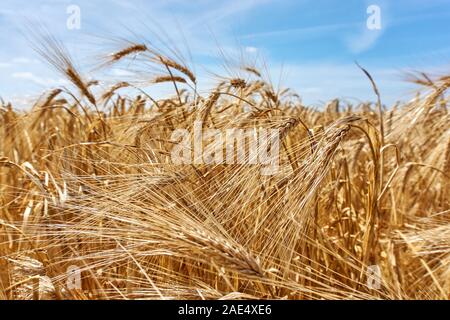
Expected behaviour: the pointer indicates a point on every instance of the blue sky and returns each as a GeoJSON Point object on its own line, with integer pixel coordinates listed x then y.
{"type": "Point", "coordinates": [308, 45]}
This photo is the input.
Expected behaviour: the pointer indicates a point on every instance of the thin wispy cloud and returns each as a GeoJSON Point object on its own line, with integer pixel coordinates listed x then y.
{"type": "Point", "coordinates": [222, 10]}
{"type": "Point", "coordinates": [310, 31]}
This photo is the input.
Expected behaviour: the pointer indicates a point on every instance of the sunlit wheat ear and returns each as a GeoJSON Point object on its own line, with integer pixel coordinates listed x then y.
{"type": "Point", "coordinates": [109, 93]}
{"type": "Point", "coordinates": [205, 109]}
{"type": "Point", "coordinates": [305, 184]}
{"type": "Point", "coordinates": [238, 83]}
{"type": "Point", "coordinates": [254, 87]}
{"type": "Point", "coordinates": [430, 242]}
{"type": "Point", "coordinates": [52, 95]}
{"type": "Point", "coordinates": [253, 70]}
{"type": "Point", "coordinates": [75, 78]}
{"type": "Point", "coordinates": [177, 66]}
{"type": "Point", "coordinates": [230, 255]}
{"type": "Point", "coordinates": [447, 155]}
{"type": "Point", "coordinates": [161, 79]}
{"type": "Point", "coordinates": [92, 83]}
{"type": "Point", "coordinates": [54, 53]}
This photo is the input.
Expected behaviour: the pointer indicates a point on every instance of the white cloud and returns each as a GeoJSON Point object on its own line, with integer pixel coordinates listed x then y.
{"type": "Point", "coordinates": [121, 72]}
{"type": "Point", "coordinates": [47, 82]}
{"type": "Point", "coordinates": [22, 60]}
{"type": "Point", "coordinates": [23, 101]}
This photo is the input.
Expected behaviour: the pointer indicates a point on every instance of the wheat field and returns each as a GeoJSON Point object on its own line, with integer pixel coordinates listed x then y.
{"type": "Point", "coordinates": [87, 181]}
